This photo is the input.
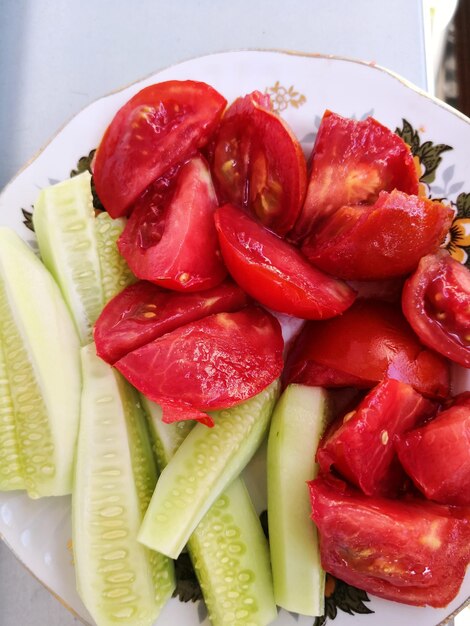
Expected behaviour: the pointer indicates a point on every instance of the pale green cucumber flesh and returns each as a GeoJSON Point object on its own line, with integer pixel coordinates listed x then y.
{"type": "Point", "coordinates": [298, 423]}
{"type": "Point", "coordinates": [115, 273]}
{"type": "Point", "coordinates": [64, 223]}
{"type": "Point", "coordinates": [228, 548]}
{"type": "Point", "coordinates": [119, 580]}
{"type": "Point", "coordinates": [204, 465]}
{"type": "Point", "coordinates": [166, 438]}
{"type": "Point", "coordinates": [40, 349]}
{"type": "Point", "coordinates": [230, 556]}
{"type": "Point", "coordinates": [11, 469]}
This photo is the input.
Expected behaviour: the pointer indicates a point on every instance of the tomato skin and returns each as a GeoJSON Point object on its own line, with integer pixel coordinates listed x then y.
{"type": "Point", "coordinates": [362, 448]}
{"type": "Point", "coordinates": [160, 126]}
{"type": "Point", "coordinates": [437, 455]}
{"type": "Point", "coordinates": [302, 370]}
{"type": "Point", "coordinates": [274, 272]}
{"type": "Point", "coordinates": [174, 243]}
{"type": "Point", "coordinates": [258, 163]}
{"type": "Point", "coordinates": [143, 311]}
{"type": "Point", "coordinates": [212, 363]}
{"type": "Point", "coordinates": [351, 162]}
{"type": "Point", "coordinates": [369, 341]}
{"type": "Point", "coordinates": [384, 240]}
{"type": "Point", "coordinates": [435, 302]}
{"type": "Point", "coordinates": [388, 290]}
{"type": "Point", "coordinates": [410, 551]}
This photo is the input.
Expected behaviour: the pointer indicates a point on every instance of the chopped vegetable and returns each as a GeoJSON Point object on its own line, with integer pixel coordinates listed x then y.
{"type": "Point", "coordinates": [298, 423]}
{"type": "Point", "coordinates": [207, 460]}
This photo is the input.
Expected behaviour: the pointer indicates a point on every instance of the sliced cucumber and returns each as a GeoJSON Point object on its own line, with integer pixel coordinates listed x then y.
{"type": "Point", "coordinates": [166, 438]}
{"type": "Point", "coordinates": [119, 580]}
{"type": "Point", "coordinates": [41, 355]}
{"type": "Point", "coordinates": [228, 548]}
{"type": "Point", "coordinates": [204, 465]}
{"type": "Point", "coordinates": [230, 555]}
{"type": "Point", "coordinates": [63, 219]}
{"type": "Point", "coordinates": [297, 425]}
{"type": "Point", "coordinates": [115, 273]}
{"type": "Point", "coordinates": [11, 470]}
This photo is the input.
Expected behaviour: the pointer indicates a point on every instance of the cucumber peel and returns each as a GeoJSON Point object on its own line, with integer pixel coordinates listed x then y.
{"type": "Point", "coordinates": [203, 466]}
{"type": "Point", "coordinates": [228, 548]}
{"type": "Point", "coordinates": [119, 580]}
{"type": "Point", "coordinates": [40, 351]}
{"type": "Point", "coordinates": [297, 425]}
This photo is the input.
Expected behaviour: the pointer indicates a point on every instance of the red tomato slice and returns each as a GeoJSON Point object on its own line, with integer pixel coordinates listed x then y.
{"type": "Point", "coordinates": [215, 362]}
{"type": "Point", "coordinates": [437, 455]}
{"type": "Point", "coordinates": [370, 341]}
{"type": "Point", "coordinates": [384, 240]}
{"type": "Point", "coordinates": [361, 448]}
{"type": "Point", "coordinates": [258, 163]}
{"type": "Point", "coordinates": [351, 163]}
{"type": "Point", "coordinates": [174, 243]}
{"type": "Point", "coordinates": [436, 303]}
{"type": "Point", "coordinates": [387, 290]}
{"type": "Point", "coordinates": [142, 312]}
{"type": "Point", "coordinates": [160, 126]}
{"type": "Point", "coordinates": [410, 551]}
{"type": "Point", "coordinates": [302, 370]}
{"type": "Point", "coordinates": [274, 272]}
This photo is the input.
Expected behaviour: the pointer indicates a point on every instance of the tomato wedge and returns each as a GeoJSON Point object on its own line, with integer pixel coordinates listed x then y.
{"type": "Point", "coordinates": [368, 342]}
{"type": "Point", "coordinates": [410, 551]}
{"type": "Point", "coordinates": [436, 302]}
{"type": "Point", "coordinates": [361, 448]}
{"type": "Point", "coordinates": [174, 243]}
{"type": "Point", "coordinates": [213, 363]}
{"type": "Point", "coordinates": [274, 272]}
{"type": "Point", "coordinates": [384, 240]}
{"type": "Point", "coordinates": [142, 312]}
{"type": "Point", "coordinates": [160, 126]}
{"type": "Point", "coordinates": [437, 455]}
{"type": "Point", "coordinates": [258, 163]}
{"type": "Point", "coordinates": [351, 163]}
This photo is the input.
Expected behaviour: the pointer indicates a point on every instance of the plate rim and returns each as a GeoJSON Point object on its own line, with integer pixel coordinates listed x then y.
{"type": "Point", "coordinates": [296, 53]}
{"type": "Point", "coordinates": [281, 51]}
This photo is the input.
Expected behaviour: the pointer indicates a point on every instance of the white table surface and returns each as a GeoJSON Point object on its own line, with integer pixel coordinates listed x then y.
{"type": "Point", "coordinates": [56, 56]}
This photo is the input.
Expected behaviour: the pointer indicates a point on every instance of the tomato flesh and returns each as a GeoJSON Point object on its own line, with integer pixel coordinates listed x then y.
{"type": "Point", "coordinates": [212, 363]}
{"type": "Point", "coordinates": [370, 341]}
{"type": "Point", "coordinates": [384, 240]}
{"type": "Point", "coordinates": [436, 301]}
{"type": "Point", "coordinates": [410, 551]}
{"type": "Point", "coordinates": [174, 243]}
{"type": "Point", "coordinates": [274, 272]}
{"type": "Point", "coordinates": [351, 163]}
{"type": "Point", "coordinates": [142, 312]}
{"type": "Point", "coordinates": [437, 455]}
{"type": "Point", "coordinates": [159, 127]}
{"type": "Point", "coordinates": [362, 449]}
{"type": "Point", "coordinates": [303, 370]}
{"type": "Point", "coordinates": [259, 164]}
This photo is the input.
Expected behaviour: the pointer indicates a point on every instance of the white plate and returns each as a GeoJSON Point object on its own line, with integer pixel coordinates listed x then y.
{"type": "Point", "coordinates": [302, 88]}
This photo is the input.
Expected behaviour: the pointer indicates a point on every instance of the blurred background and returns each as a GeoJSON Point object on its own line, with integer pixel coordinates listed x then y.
{"type": "Point", "coordinates": [450, 51]}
